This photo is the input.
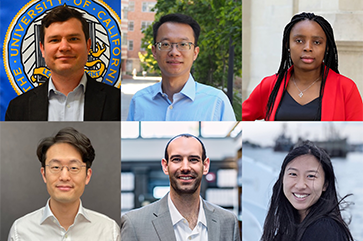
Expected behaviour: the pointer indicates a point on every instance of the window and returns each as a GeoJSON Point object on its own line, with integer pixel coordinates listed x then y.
{"type": "Point", "coordinates": [145, 25]}
{"type": "Point", "coordinates": [131, 6]}
{"type": "Point", "coordinates": [141, 46]}
{"type": "Point", "coordinates": [130, 26]}
{"type": "Point", "coordinates": [124, 39]}
{"type": "Point", "coordinates": [130, 45]}
{"type": "Point", "coordinates": [147, 6]}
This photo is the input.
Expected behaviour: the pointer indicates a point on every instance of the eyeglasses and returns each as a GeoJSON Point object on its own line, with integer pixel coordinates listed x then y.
{"type": "Point", "coordinates": [181, 46]}
{"type": "Point", "coordinates": [73, 168]}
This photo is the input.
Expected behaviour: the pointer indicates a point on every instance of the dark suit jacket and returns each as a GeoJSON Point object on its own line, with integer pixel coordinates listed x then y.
{"type": "Point", "coordinates": [153, 222]}
{"type": "Point", "coordinates": [102, 103]}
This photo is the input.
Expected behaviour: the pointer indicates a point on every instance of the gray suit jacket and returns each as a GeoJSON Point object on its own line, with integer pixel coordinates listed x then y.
{"type": "Point", "coordinates": [153, 223]}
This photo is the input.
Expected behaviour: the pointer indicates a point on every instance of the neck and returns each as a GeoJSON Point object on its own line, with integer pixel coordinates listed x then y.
{"type": "Point", "coordinates": [171, 85]}
{"type": "Point", "coordinates": [306, 78]}
{"type": "Point", "coordinates": [188, 206]}
{"type": "Point", "coordinates": [64, 212]}
{"type": "Point", "coordinates": [65, 83]}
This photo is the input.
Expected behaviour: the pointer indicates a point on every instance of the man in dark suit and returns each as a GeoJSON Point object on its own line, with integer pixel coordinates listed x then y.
{"type": "Point", "coordinates": [70, 94]}
{"type": "Point", "coordinates": [182, 214]}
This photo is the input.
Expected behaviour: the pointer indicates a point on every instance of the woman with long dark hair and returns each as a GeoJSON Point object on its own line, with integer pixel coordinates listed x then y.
{"type": "Point", "coordinates": [304, 205]}
{"type": "Point", "coordinates": [307, 85]}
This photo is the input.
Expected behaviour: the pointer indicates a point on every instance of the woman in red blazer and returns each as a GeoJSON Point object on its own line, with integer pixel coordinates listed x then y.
{"type": "Point", "coordinates": [308, 85]}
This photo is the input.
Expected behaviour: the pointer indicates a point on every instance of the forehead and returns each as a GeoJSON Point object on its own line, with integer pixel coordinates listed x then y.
{"type": "Point", "coordinates": [304, 163]}
{"type": "Point", "coordinates": [307, 28]}
{"type": "Point", "coordinates": [63, 152]}
{"type": "Point", "coordinates": [185, 146]}
{"type": "Point", "coordinates": [70, 26]}
{"type": "Point", "coordinates": [175, 32]}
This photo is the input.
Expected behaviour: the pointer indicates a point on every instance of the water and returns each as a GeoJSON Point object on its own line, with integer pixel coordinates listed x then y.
{"type": "Point", "coordinates": [349, 176]}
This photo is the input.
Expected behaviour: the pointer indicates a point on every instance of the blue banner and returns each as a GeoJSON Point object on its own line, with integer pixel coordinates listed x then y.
{"type": "Point", "coordinates": [22, 65]}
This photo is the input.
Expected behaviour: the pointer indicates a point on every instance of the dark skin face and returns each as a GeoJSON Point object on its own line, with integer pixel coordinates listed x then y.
{"type": "Point", "coordinates": [307, 49]}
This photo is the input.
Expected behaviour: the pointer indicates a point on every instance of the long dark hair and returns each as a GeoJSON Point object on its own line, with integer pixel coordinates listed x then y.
{"type": "Point", "coordinates": [283, 220]}
{"type": "Point", "coordinates": [330, 58]}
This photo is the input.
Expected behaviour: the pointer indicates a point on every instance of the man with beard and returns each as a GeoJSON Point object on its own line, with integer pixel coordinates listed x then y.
{"type": "Point", "coordinates": [182, 214]}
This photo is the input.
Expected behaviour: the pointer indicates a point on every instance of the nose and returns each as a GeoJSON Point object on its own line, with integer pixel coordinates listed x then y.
{"type": "Point", "coordinates": [300, 183]}
{"type": "Point", "coordinates": [185, 165]}
{"type": "Point", "coordinates": [64, 45]}
{"type": "Point", "coordinates": [307, 46]}
{"type": "Point", "coordinates": [174, 51]}
{"type": "Point", "coordinates": [64, 174]}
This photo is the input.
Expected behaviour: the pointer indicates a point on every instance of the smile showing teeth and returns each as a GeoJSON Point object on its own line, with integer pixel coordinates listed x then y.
{"type": "Point", "coordinates": [185, 178]}
{"type": "Point", "coordinates": [300, 196]}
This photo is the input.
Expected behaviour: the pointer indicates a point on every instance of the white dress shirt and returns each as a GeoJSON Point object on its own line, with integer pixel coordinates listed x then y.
{"type": "Point", "coordinates": [181, 225]}
{"type": "Point", "coordinates": [67, 108]}
{"type": "Point", "coordinates": [42, 225]}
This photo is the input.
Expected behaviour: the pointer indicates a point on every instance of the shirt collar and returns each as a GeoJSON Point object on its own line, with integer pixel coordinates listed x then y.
{"type": "Point", "coordinates": [188, 89]}
{"type": "Point", "coordinates": [176, 217]}
{"type": "Point", "coordinates": [48, 213]}
{"type": "Point", "coordinates": [83, 82]}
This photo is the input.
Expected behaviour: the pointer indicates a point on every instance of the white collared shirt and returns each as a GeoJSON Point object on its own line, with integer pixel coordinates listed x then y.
{"type": "Point", "coordinates": [66, 108]}
{"type": "Point", "coordinates": [181, 225]}
{"type": "Point", "coordinates": [43, 225]}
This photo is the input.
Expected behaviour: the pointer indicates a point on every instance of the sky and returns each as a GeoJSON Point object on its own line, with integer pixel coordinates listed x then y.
{"type": "Point", "coordinates": [265, 133]}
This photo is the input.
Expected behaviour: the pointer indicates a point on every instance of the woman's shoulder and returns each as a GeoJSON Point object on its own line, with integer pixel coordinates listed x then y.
{"type": "Point", "coordinates": [334, 77]}
{"type": "Point", "coordinates": [325, 228]}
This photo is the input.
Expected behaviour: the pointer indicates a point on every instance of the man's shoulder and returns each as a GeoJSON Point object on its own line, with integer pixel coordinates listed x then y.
{"type": "Point", "coordinates": [97, 217]}
{"type": "Point", "coordinates": [141, 213]}
{"type": "Point", "coordinates": [219, 211]}
{"type": "Point", "coordinates": [147, 92]}
{"type": "Point", "coordinates": [24, 97]}
{"type": "Point", "coordinates": [32, 217]}
{"type": "Point", "coordinates": [93, 83]}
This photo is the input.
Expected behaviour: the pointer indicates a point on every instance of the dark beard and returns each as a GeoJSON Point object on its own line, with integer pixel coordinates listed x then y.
{"type": "Point", "coordinates": [186, 190]}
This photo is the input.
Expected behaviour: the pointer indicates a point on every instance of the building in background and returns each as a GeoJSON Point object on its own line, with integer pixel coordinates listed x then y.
{"type": "Point", "coordinates": [136, 16]}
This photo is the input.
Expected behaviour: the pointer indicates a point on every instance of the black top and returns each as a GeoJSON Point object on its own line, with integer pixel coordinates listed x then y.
{"type": "Point", "coordinates": [324, 229]}
{"type": "Point", "coordinates": [290, 110]}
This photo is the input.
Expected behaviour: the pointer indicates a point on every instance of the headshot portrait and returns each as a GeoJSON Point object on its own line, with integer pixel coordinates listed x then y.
{"type": "Point", "coordinates": [53, 179]}
{"type": "Point", "coordinates": [189, 193]}
{"type": "Point", "coordinates": [306, 188]}
{"type": "Point", "coordinates": [70, 75]}
{"type": "Point", "coordinates": [317, 75]}
{"type": "Point", "coordinates": [189, 72]}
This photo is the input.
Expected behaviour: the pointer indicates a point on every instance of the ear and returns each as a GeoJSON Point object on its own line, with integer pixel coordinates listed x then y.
{"type": "Point", "coordinates": [42, 171]}
{"type": "Point", "coordinates": [196, 52]}
{"type": "Point", "coordinates": [89, 44]}
{"type": "Point", "coordinates": [326, 184]}
{"type": "Point", "coordinates": [41, 48]}
{"type": "Point", "coordinates": [89, 174]}
{"type": "Point", "coordinates": [206, 165]}
{"type": "Point", "coordinates": [153, 50]}
{"type": "Point", "coordinates": [164, 164]}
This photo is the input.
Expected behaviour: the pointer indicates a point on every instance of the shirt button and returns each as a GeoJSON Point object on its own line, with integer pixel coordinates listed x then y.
{"type": "Point", "coordinates": [171, 107]}
{"type": "Point", "coordinates": [190, 238]}
{"type": "Point", "coordinates": [68, 106]}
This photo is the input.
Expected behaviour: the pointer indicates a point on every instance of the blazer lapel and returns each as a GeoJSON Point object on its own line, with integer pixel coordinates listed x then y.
{"type": "Point", "coordinates": [328, 100]}
{"type": "Point", "coordinates": [38, 103]}
{"type": "Point", "coordinates": [212, 222]}
{"type": "Point", "coordinates": [162, 221]}
{"type": "Point", "coordinates": [94, 101]}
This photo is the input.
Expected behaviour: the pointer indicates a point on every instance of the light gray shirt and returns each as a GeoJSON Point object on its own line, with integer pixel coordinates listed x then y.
{"type": "Point", "coordinates": [67, 108]}
{"type": "Point", "coordinates": [43, 225]}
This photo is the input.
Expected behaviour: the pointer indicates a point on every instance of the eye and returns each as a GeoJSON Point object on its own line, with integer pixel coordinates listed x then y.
{"type": "Point", "coordinates": [194, 160]}
{"type": "Point", "coordinates": [176, 159]}
{"type": "Point", "coordinates": [317, 42]}
{"type": "Point", "coordinates": [183, 44]}
{"type": "Point", "coordinates": [298, 41]}
{"type": "Point", "coordinates": [55, 168]}
{"type": "Point", "coordinates": [311, 176]}
{"type": "Point", "coordinates": [53, 40]}
{"type": "Point", "coordinates": [292, 174]}
{"type": "Point", "coordinates": [74, 39]}
{"type": "Point", "coordinates": [165, 44]}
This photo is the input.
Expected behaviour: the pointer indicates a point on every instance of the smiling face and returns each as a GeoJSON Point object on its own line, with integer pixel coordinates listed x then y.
{"type": "Point", "coordinates": [65, 48]}
{"type": "Point", "coordinates": [175, 63]}
{"type": "Point", "coordinates": [185, 166]}
{"type": "Point", "coordinates": [65, 187]}
{"type": "Point", "coordinates": [303, 183]}
{"type": "Point", "coordinates": [307, 45]}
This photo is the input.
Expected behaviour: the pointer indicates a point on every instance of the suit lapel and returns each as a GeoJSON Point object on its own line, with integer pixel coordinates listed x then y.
{"type": "Point", "coordinates": [212, 222]}
{"type": "Point", "coordinates": [162, 221]}
{"type": "Point", "coordinates": [38, 103]}
{"type": "Point", "coordinates": [94, 101]}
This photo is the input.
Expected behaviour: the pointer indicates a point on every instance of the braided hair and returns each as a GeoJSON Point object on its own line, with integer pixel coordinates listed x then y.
{"type": "Point", "coordinates": [330, 58]}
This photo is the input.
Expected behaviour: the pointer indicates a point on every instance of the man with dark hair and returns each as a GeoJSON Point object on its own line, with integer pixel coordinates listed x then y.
{"type": "Point", "coordinates": [66, 161]}
{"type": "Point", "coordinates": [70, 94]}
{"type": "Point", "coordinates": [178, 97]}
{"type": "Point", "coordinates": [182, 214]}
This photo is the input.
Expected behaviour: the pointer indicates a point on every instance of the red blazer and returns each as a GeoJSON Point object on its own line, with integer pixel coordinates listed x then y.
{"type": "Point", "coordinates": [341, 100]}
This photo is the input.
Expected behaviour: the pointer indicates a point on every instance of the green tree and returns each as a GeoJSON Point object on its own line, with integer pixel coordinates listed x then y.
{"type": "Point", "coordinates": [220, 22]}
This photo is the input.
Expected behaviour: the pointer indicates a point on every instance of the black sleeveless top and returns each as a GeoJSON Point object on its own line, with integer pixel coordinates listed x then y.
{"type": "Point", "coordinates": [290, 110]}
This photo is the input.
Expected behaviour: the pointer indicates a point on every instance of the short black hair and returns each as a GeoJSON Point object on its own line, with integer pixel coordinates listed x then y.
{"type": "Point", "coordinates": [63, 13]}
{"type": "Point", "coordinates": [166, 155]}
{"type": "Point", "coordinates": [70, 136]}
{"type": "Point", "coordinates": [178, 18]}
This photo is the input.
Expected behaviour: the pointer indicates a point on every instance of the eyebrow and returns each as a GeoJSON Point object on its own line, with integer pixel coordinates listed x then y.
{"type": "Point", "coordinates": [191, 156]}
{"type": "Point", "coordinates": [163, 39]}
{"type": "Point", "coordinates": [294, 169]}
{"type": "Point", "coordinates": [69, 35]}
{"type": "Point", "coordinates": [71, 161]}
{"type": "Point", "coordinates": [303, 36]}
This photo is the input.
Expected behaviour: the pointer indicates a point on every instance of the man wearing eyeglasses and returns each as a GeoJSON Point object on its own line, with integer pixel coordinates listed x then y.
{"type": "Point", "coordinates": [178, 97]}
{"type": "Point", "coordinates": [66, 161]}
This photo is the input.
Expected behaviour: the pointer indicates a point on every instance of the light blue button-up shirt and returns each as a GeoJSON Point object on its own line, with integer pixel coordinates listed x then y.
{"type": "Point", "coordinates": [195, 102]}
{"type": "Point", "coordinates": [67, 108]}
